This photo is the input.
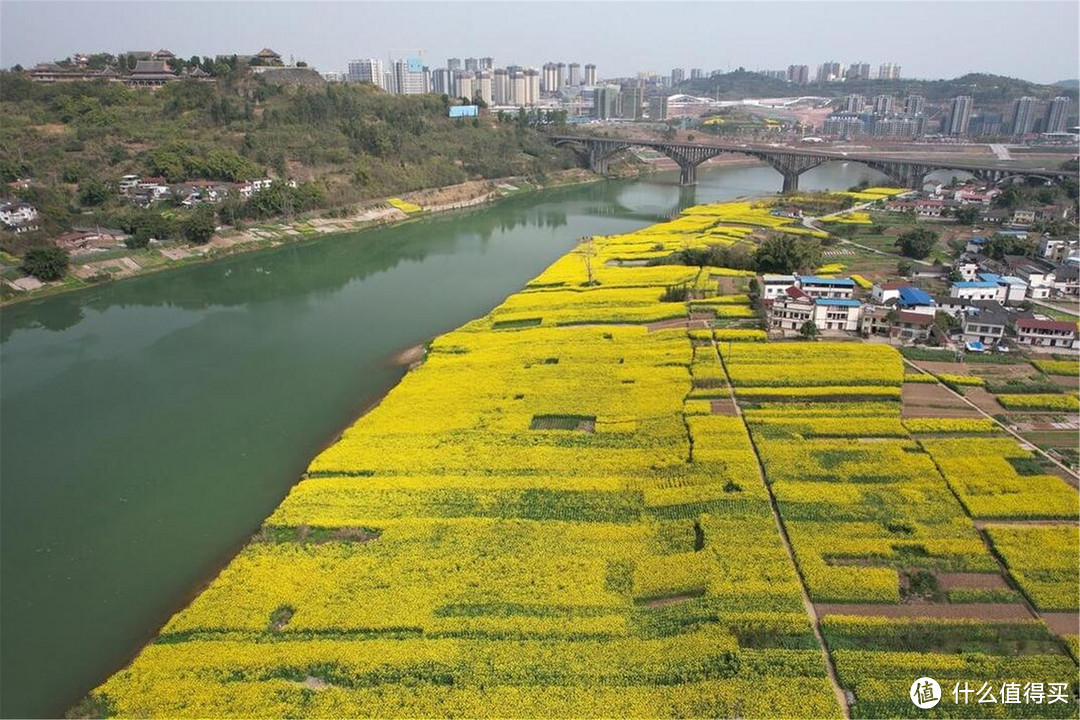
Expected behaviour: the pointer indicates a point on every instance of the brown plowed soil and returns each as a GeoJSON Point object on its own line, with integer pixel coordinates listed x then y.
{"type": "Point", "coordinates": [1062, 623]}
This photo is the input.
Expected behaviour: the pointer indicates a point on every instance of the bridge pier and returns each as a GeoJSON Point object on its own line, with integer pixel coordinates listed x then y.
{"type": "Point", "coordinates": [791, 181]}
{"type": "Point", "coordinates": [687, 174]}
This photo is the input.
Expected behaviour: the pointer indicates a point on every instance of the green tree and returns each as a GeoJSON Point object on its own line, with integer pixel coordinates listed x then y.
{"type": "Point", "coordinates": [46, 264]}
{"type": "Point", "coordinates": [809, 330]}
{"type": "Point", "coordinates": [998, 246]}
{"type": "Point", "coordinates": [93, 192]}
{"type": "Point", "coordinates": [917, 243]}
{"type": "Point", "coordinates": [966, 215]}
{"type": "Point", "coordinates": [199, 227]}
{"type": "Point", "coordinates": [788, 253]}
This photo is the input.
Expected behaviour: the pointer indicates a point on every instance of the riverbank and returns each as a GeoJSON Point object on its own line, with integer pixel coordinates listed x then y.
{"type": "Point", "coordinates": [93, 269]}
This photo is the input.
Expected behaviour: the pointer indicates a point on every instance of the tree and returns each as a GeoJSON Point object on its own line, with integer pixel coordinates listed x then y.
{"type": "Point", "coordinates": [788, 253]}
{"type": "Point", "coordinates": [998, 246]}
{"type": "Point", "coordinates": [587, 251]}
{"type": "Point", "coordinates": [809, 330]}
{"type": "Point", "coordinates": [966, 215]}
{"type": "Point", "coordinates": [93, 192]}
{"type": "Point", "coordinates": [917, 243]}
{"type": "Point", "coordinates": [904, 268]}
{"type": "Point", "coordinates": [199, 227]}
{"type": "Point", "coordinates": [46, 264]}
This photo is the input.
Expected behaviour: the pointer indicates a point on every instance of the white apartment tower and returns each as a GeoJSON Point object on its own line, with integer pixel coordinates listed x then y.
{"type": "Point", "coordinates": [369, 70]}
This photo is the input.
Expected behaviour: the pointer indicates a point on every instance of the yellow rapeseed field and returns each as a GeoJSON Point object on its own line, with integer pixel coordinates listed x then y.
{"type": "Point", "coordinates": [567, 512]}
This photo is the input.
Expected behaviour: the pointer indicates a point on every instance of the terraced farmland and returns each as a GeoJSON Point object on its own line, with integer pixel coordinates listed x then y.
{"type": "Point", "coordinates": [593, 503]}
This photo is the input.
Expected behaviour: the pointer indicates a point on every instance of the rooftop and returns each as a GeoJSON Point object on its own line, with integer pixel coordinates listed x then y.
{"type": "Point", "coordinates": [911, 295]}
{"type": "Point", "coordinates": [1037, 324]}
{"type": "Point", "coordinates": [975, 284]}
{"type": "Point", "coordinates": [815, 280]}
{"type": "Point", "coordinates": [837, 302]}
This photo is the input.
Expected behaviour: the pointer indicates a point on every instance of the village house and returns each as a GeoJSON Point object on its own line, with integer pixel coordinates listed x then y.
{"type": "Point", "coordinates": [921, 207]}
{"type": "Point", "coordinates": [984, 325]}
{"type": "Point", "coordinates": [970, 197]}
{"type": "Point", "coordinates": [996, 216]}
{"type": "Point", "coordinates": [791, 310]}
{"type": "Point", "coordinates": [1022, 217]}
{"type": "Point", "coordinates": [774, 285]}
{"type": "Point", "coordinates": [967, 269]}
{"type": "Point", "coordinates": [128, 184]}
{"type": "Point", "coordinates": [196, 191]}
{"type": "Point", "coordinates": [886, 291]}
{"type": "Point", "coordinates": [821, 287]}
{"type": "Point", "coordinates": [1038, 275]}
{"type": "Point", "coordinates": [1067, 280]}
{"type": "Point", "coordinates": [975, 244]}
{"type": "Point", "coordinates": [977, 290]}
{"type": "Point", "coordinates": [1045, 333]}
{"type": "Point", "coordinates": [18, 217]}
{"type": "Point", "coordinates": [915, 300]}
{"type": "Point", "coordinates": [1013, 289]}
{"type": "Point", "coordinates": [1058, 249]}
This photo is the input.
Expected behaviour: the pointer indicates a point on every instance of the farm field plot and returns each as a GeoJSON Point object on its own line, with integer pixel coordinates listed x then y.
{"type": "Point", "coordinates": [578, 506]}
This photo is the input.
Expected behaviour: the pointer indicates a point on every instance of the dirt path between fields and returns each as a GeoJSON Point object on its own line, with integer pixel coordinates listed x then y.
{"type": "Point", "coordinates": [1073, 479]}
{"type": "Point", "coordinates": [815, 621]}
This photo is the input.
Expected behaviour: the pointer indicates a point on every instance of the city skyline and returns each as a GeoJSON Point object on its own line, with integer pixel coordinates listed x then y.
{"type": "Point", "coordinates": [330, 34]}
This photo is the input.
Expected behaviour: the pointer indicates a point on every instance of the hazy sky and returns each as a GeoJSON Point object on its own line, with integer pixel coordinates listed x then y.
{"type": "Point", "coordinates": [1035, 40]}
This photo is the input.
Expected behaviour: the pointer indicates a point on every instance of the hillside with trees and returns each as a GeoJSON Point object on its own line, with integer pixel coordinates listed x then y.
{"type": "Point", "coordinates": [983, 88]}
{"type": "Point", "coordinates": [342, 144]}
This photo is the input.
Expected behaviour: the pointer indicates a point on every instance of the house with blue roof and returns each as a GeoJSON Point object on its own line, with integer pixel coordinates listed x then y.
{"type": "Point", "coordinates": [824, 287]}
{"type": "Point", "coordinates": [913, 299]}
{"type": "Point", "coordinates": [792, 309]}
{"type": "Point", "coordinates": [975, 244]}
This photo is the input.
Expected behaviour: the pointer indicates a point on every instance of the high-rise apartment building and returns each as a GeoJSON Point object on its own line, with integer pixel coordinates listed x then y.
{"type": "Point", "coordinates": [453, 64]}
{"type": "Point", "coordinates": [562, 75]}
{"type": "Point", "coordinates": [550, 79]}
{"type": "Point", "coordinates": [463, 84]}
{"type": "Point", "coordinates": [858, 71]}
{"type": "Point", "coordinates": [482, 86]}
{"type": "Point", "coordinates": [532, 86]}
{"type": "Point", "coordinates": [888, 71]}
{"type": "Point", "coordinates": [658, 109]}
{"type": "Point", "coordinates": [696, 73]}
{"type": "Point", "coordinates": [472, 64]}
{"type": "Point", "coordinates": [487, 63]}
{"type": "Point", "coordinates": [677, 76]}
{"type": "Point", "coordinates": [500, 87]}
{"type": "Point", "coordinates": [408, 77]}
{"type": "Point", "coordinates": [959, 116]}
{"type": "Point", "coordinates": [1025, 111]}
{"type": "Point", "coordinates": [854, 104]}
{"type": "Point", "coordinates": [631, 100]}
{"type": "Point", "coordinates": [914, 105]}
{"type": "Point", "coordinates": [574, 74]}
{"type": "Point", "coordinates": [829, 72]}
{"type": "Point", "coordinates": [369, 70]}
{"type": "Point", "coordinates": [883, 104]}
{"type": "Point", "coordinates": [606, 102]}
{"type": "Point", "coordinates": [799, 74]}
{"type": "Point", "coordinates": [440, 81]}
{"type": "Point", "coordinates": [1057, 115]}
{"type": "Point", "coordinates": [590, 74]}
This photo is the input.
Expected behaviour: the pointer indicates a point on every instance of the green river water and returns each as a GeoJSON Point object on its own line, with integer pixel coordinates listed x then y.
{"type": "Point", "coordinates": [147, 427]}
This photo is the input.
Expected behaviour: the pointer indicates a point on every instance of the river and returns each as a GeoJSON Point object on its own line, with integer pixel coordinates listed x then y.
{"type": "Point", "coordinates": [148, 426]}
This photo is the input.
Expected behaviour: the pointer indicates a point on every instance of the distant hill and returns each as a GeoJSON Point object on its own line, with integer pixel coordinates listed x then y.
{"type": "Point", "coordinates": [986, 90]}
{"type": "Point", "coordinates": [1074, 84]}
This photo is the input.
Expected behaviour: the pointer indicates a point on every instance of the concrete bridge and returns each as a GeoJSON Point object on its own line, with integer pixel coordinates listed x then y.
{"type": "Point", "coordinates": [791, 162]}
